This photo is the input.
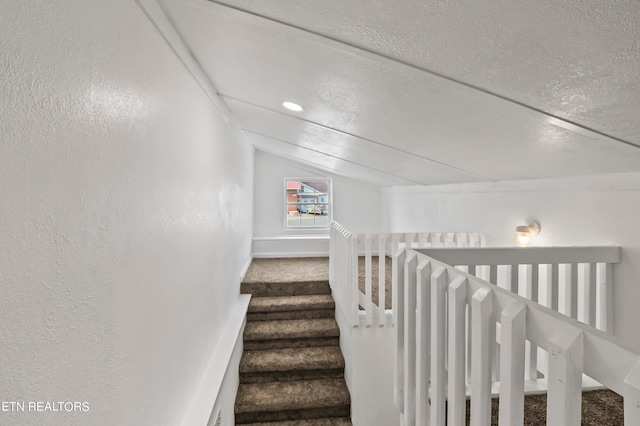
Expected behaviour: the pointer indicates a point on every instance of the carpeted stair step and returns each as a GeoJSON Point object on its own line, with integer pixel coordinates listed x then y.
{"type": "Point", "coordinates": [259, 335]}
{"type": "Point", "coordinates": [335, 421]}
{"type": "Point", "coordinates": [292, 400]}
{"type": "Point", "coordinates": [295, 288]}
{"type": "Point", "coordinates": [260, 345]}
{"type": "Point", "coordinates": [291, 307]}
{"type": "Point", "coordinates": [292, 370]}
{"type": "Point", "coordinates": [322, 362]}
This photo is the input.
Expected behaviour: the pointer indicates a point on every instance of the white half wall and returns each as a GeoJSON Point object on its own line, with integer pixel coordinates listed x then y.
{"type": "Point", "coordinates": [355, 204]}
{"type": "Point", "coordinates": [223, 411]}
{"type": "Point", "coordinates": [369, 371]}
{"type": "Point", "coordinates": [589, 210]}
{"type": "Point", "coordinates": [126, 217]}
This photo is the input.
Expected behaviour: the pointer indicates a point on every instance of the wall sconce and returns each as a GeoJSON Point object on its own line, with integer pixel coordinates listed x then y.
{"type": "Point", "coordinates": [525, 232]}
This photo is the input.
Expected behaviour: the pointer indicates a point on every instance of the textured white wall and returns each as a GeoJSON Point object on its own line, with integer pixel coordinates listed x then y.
{"type": "Point", "coordinates": [572, 211]}
{"type": "Point", "coordinates": [126, 216]}
{"type": "Point", "coordinates": [355, 204]}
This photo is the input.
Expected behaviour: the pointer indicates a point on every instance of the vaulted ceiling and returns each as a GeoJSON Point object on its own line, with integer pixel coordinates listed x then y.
{"type": "Point", "coordinates": [425, 91]}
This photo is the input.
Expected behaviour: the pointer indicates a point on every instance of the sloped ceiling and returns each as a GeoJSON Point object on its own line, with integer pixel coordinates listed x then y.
{"type": "Point", "coordinates": [428, 92]}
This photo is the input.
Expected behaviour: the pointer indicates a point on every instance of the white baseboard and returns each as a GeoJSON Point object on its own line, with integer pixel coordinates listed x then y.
{"type": "Point", "coordinates": [246, 268]}
{"type": "Point", "coordinates": [291, 254]}
{"type": "Point", "coordinates": [291, 246]}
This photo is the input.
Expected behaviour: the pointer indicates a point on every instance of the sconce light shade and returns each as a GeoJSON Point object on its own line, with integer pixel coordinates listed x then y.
{"type": "Point", "coordinates": [525, 232]}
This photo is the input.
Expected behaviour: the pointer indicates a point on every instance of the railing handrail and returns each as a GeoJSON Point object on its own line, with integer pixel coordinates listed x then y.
{"type": "Point", "coordinates": [344, 265]}
{"type": "Point", "coordinates": [539, 331]}
{"type": "Point", "coordinates": [524, 255]}
{"type": "Point", "coordinates": [574, 347]}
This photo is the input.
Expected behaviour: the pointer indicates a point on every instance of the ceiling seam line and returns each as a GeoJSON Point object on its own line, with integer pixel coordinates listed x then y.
{"type": "Point", "coordinates": [359, 137]}
{"type": "Point", "coordinates": [194, 68]}
{"type": "Point", "coordinates": [434, 73]}
{"type": "Point", "coordinates": [333, 156]}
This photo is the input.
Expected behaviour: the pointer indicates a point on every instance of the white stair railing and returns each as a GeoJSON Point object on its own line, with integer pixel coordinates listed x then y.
{"type": "Point", "coordinates": [434, 333]}
{"type": "Point", "coordinates": [349, 253]}
{"type": "Point", "coordinates": [343, 272]}
{"type": "Point", "coordinates": [575, 281]}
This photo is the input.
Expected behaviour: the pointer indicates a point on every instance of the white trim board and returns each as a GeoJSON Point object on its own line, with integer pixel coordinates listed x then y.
{"type": "Point", "coordinates": [291, 246]}
{"type": "Point", "coordinates": [292, 237]}
{"type": "Point", "coordinates": [287, 254]}
{"type": "Point", "coordinates": [155, 11]}
{"type": "Point", "coordinates": [202, 404]}
{"type": "Point", "coordinates": [245, 269]}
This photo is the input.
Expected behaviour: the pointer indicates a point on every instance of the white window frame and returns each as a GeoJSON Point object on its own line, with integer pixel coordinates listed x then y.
{"type": "Point", "coordinates": [287, 203]}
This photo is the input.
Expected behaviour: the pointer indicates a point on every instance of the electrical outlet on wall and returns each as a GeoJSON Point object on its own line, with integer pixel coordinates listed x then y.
{"type": "Point", "coordinates": [218, 417]}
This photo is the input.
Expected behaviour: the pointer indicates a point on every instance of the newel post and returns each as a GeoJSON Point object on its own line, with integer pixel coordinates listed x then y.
{"type": "Point", "coordinates": [566, 359]}
{"type": "Point", "coordinates": [513, 332]}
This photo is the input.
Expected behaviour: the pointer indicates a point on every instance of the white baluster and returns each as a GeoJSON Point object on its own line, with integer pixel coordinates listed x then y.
{"type": "Point", "coordinates": [527, 291]}
{"type": "Point", "coordinates": [422, 240]}
{"type": "Point", "coordinates": [493, 274]}
{"type": "Point", "coordinates": [352, 283]}
{"type": "Point", "coordinates": [410, 265]}
{"type": "Point", "coordinates": [456, 364]}
{"type": "Point", "coordinates": [438, 341]}
{"type": "Point", "coordinates": [382, 271]}
{"type": "Point", "coordinates": [512, 344]}
{"type": "Point", "coordinates": [368, 287]}
{"type": "Point", "coordinates": [482, 343]}
{"type": "Point", "coordinates": [462, 239]}
{"type": "Point", "coordinates": [593, 291]}
{"type": "Point", "coordinates": [574, 290]}
{"type": "Point", "coordinates": [395, 243]}
{"type": "Point", "coordinates": [397, 288]}
{"type": "Point", "coordinates": [554, 287]}
{"type": "Point", "coordinates": [513, 273]}
{"type": "Point", "coordinates": [604, 314]}
{"type": "Point", "coordinates": [472, 271]}
{"type": "Point", "coordinates": [423, 352]}
{"type": "Point", "coordinates": [584, 293]}
{"type": "Point", "coordinates": [408, 240]}
{"type": "Point", "coordinates": [564, 289]}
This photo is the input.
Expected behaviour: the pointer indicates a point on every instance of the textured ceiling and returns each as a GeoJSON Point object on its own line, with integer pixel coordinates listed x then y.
{"type": "Point", "coordinates": [428, 92]}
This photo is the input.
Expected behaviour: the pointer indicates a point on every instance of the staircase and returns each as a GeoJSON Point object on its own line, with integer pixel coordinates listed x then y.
{"type": "Point", "coordinates": [291, 371]}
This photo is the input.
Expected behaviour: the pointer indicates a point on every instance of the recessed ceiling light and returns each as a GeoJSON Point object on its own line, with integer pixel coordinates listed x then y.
{"type": "Point", "coordinates": [293, 106]}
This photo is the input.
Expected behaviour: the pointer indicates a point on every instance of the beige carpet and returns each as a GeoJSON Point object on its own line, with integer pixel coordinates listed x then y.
{"type": "Point", "coordinates": [599, 408]}
{"type": "Point", "coordinates": [285, 270]}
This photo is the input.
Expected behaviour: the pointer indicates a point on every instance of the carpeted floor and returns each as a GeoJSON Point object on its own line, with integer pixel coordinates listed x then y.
{"type": "Point", "coordinates": [599, 408]}
{"type": "Point", "coordinates": [285, 270]}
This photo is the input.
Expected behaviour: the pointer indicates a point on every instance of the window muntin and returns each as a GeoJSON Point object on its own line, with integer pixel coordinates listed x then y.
{"type": "Point", "coordinates": [307, 203]}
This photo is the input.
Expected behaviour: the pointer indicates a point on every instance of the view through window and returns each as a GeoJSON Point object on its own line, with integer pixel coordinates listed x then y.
{"type": "Point", "coordinates": [308, 203]}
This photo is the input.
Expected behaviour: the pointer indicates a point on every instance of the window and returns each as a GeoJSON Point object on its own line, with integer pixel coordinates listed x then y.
{"type": "Point", "coordinates": [307, 203]}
